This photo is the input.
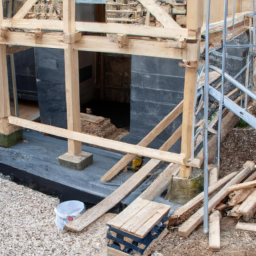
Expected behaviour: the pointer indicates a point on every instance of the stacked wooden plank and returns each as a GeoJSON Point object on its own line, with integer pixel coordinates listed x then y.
{"type": "Point", "coordinates": [135, 228]}
{"type": "Point", "coordinates": [234, 199]}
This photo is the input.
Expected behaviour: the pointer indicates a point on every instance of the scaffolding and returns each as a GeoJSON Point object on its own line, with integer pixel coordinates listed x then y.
{"type": "Point", "coordinates": [240, 111]}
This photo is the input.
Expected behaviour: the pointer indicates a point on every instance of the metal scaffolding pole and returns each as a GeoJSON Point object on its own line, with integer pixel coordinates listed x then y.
{"type": "Point", "coordinates": [206, 101]}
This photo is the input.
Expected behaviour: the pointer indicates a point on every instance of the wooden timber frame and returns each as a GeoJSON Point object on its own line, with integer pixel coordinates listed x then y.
{"type": "Point", "coordinates": [131, 40]}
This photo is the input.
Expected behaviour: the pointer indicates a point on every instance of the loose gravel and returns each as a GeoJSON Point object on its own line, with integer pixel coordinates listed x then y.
{"type": "Point", "coordinates": [27, 226]}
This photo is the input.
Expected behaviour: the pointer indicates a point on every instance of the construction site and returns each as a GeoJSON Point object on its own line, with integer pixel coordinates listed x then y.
{"type": "Point", "coordinates": [127, 127]}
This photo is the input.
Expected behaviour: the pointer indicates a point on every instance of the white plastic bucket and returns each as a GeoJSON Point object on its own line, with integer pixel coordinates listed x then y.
{"type": "Point", "coordinates": [67, 212]}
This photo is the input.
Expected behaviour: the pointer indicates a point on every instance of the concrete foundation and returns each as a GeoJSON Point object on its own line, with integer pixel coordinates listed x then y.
{"type": "Point", "coordinates": [78, 163]}
{"type": "Point", "coordinates": [8, 140]}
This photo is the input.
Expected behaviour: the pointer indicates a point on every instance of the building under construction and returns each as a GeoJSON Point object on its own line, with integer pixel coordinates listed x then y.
{"type": "Point", "coordinates": [124, 104]}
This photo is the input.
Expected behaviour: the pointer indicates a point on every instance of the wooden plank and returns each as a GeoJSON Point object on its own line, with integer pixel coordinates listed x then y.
{"type": "Point", "coordinates": [161, 183]}
{"type": "Point", "coordinates": [99, 27]}
{"type": "Point", "coordinates": [241, 195]}
{"type": "Point", "coordinates": [137, 220]}
{"type": "Point", "coordinates": [247, 208]}
{"type": "Point", "coordinates": [184, 211]}
{"type": "Point", "coordinates": [127, 214]}
{"type": "Point", "coordinates": [144, 142]}
{"type": "Point", "coordinates": [250, 184]}
{"type": "Point", "coordinates": [161, 15]}
{"type": "Point", "coordinates": [241, 226]}
{"type": "Point", "coordinates": [150, 223]}
{"type": "Point", "coordinates": [144, 220]}
{"type": "Point", "coordinates": [101, 142]}
{"type": "Point", "coordinates": [228, 122]}
{"type": "Point", "coordinates": [105, 205]}
{"type": "Point", "coordinates": [24, 9]}
{"type": "Point", "coordinates": [48, 40]}
{"type": "Point", "coordinates": [187, 227]}
{"type": "Point", "coordinates": [214, 231]}
{"type": "Point", "coordinates": [136, 47]}
{"type": "Point", "coordinates": [213, 175]}
{"type": "Point", "coordinates": [114, 252]}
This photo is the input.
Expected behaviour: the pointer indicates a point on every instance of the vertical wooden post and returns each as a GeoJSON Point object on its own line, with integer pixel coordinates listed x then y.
{"type": "Point", "coordinates": [5, 110]}
{"type": "Point", "coordinates": [72, 78]}
{"type": "Point", "coordinates": [195, 15]}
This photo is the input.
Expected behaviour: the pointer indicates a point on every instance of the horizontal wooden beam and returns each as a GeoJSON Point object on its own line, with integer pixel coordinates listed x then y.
{"type": "Point", "coordinates": [136, 47]}
{"type": "Point", "coordinates": [48, 40]}
{"type": "Point", "coordinates": [101, 44]}
{"type": "Point", "coordinates": [100, 142]}
{"type": "Point", "coordinates": [98, 27]}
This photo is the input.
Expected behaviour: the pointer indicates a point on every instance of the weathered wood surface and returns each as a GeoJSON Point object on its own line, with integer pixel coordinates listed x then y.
{"type": "Point", "coordinates": [191, 224]}
{"type": "Point", "coordinates": [139, 217]}
{"type": "Point", "coordinates": [214, 231]}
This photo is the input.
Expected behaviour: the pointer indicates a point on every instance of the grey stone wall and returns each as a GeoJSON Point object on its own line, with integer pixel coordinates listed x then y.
{"type": "Point", "coordinates": [157, 86]}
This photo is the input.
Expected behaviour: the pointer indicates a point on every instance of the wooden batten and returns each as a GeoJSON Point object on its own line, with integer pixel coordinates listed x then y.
{"type": "Point", "coordinates": [214, 235]}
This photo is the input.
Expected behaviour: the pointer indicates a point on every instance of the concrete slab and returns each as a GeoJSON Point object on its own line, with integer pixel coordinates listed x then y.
{"type": "Point", "coordinates": [78, 163]}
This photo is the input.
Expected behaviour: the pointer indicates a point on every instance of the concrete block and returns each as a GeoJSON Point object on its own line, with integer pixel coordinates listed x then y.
{"type": "Point", "coordinates": [7, 140]}
{"type": "Point", "coordinates": [78, 163]}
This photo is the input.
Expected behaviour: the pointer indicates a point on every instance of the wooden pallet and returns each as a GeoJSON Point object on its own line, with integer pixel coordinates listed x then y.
{"type": "Point", "coordinates": [135, 228]}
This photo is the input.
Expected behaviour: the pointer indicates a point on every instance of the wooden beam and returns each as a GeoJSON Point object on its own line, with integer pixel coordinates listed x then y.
{"type": "Point", "coordinates": [5, 110]}
{"type": "Point", "coordinates": [100, 142]}
{"type": "Point", "coordinates": [144, 142]}
{"type": "Point", "coordinates": [72, 77]}
{"type": "Point", "coordinates": [161, 15]}
{"type": "Point", "coordinates": [241, 226]}
{"type": "Point", "coordinates": [184, 211]}
{"type": "Point", "coordinates": [194, 22]}
{"type": "Point", "coordinates": [248, 207]}
{"type": "Point", "coordinates": [24, 9]}
{"type": "Point", "coordinates": [49, 40]}
{"type": "Point", "coordinates": [106, 204]}
{"type": "Point", "coordinates": [161, 183]}
{"type": "Point", "coordinates": [241, 195]}
{"type": "Point", "coordinates": [214, 231]}
{"type": "Point", "coordinates": [191, 224]}
{"type": "Point", "coordinates": [250, 184]}
{"type": "Point", "coordinates": [120, 193]}
{"type": "Point", "coordinates": [100, 44]}
{"type": "Point", "coordinates": [136, 47]}
{"type": "Point", "coordinates": [100, 27]}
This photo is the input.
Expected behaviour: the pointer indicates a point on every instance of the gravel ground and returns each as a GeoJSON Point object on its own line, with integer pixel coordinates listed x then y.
{"type": "Point", "coordinates": [27, 226]}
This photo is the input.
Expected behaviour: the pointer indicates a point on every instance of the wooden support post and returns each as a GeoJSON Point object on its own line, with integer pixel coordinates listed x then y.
{"type": "Point", "coordinates": [195, 22]}
{"type": "Point", "coordinates": [72, 78]}
{"type": "Point", "coordinates": [5, 110]}
{"type": "Point", "coordinates": [8, 134]}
